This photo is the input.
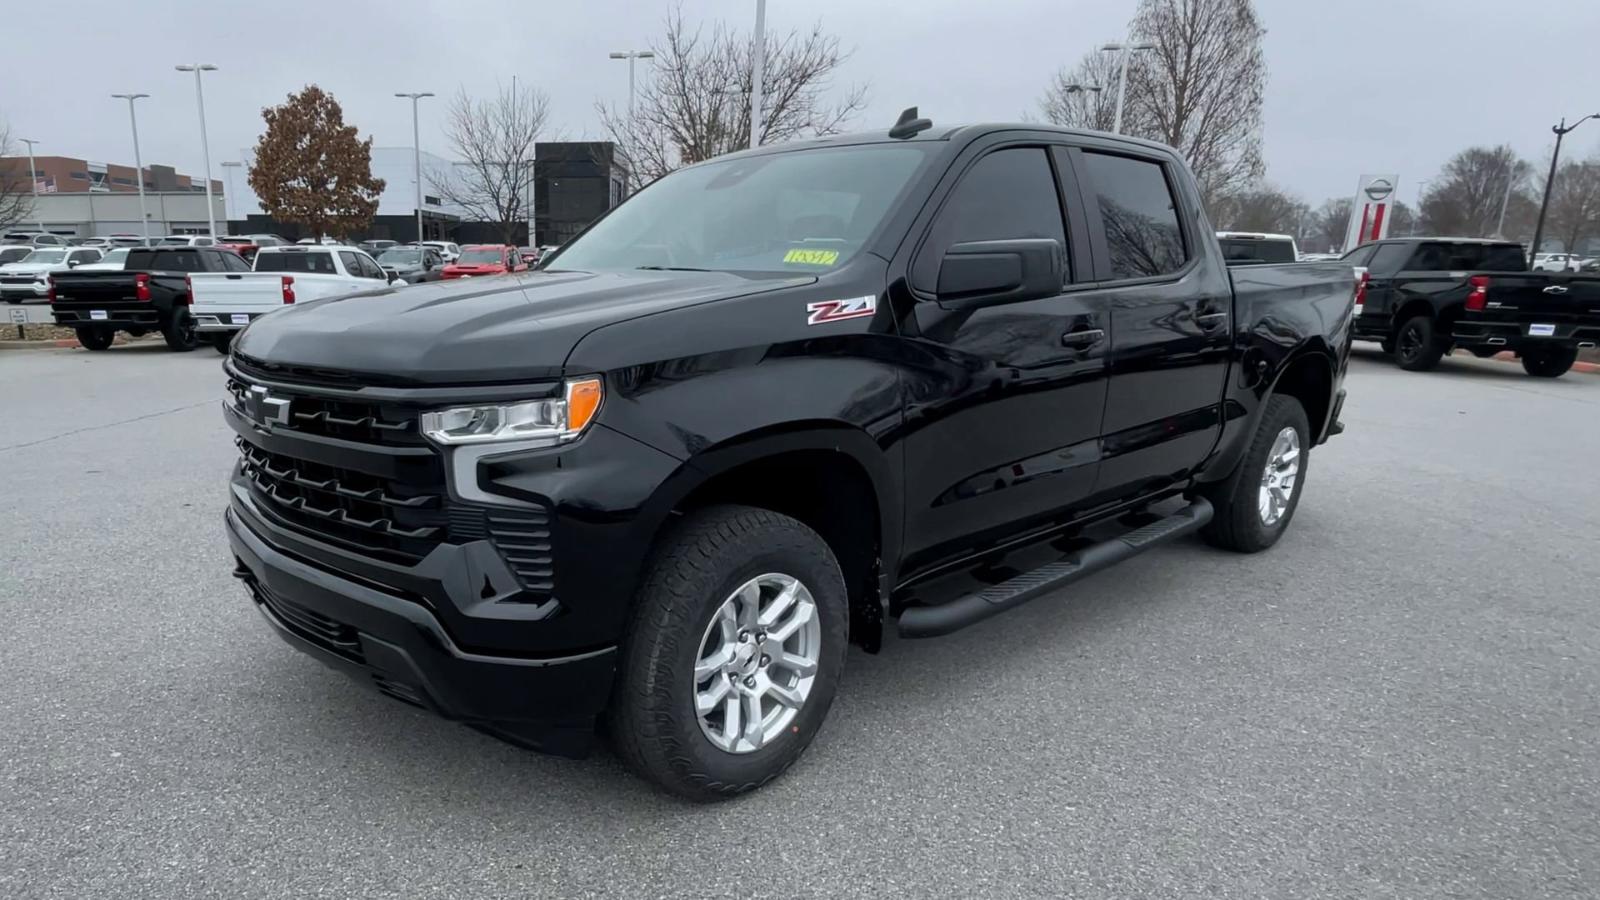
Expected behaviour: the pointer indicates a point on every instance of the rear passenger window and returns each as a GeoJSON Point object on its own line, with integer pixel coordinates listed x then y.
{"type": "Point", "coordinates": [1143, 238]}
{"type": "Point", "coordinates": [1391, 258]}
{"type": "Point", "coordinates": [233, 262]}
{"type": "Point", "coordinates": [1006, 195]}
{"type": "Point", "coordinates": [352, 263]}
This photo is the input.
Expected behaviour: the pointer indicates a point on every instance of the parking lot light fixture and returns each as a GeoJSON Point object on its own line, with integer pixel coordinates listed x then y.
{"type": "Point", "coordinates": [1550, 181]}
{"type": "Point", "coordinates": [416, 151]}
{"type": "Point", "coordinates": [1127, 49]}
{"type": "Point", "coordinates": [138, 164]}
{"type": "Point", "coordinates": [205, 149]}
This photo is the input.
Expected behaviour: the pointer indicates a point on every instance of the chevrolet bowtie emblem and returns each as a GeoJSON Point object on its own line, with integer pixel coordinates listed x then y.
{"type": "Point", "coordinates": [265, 409]}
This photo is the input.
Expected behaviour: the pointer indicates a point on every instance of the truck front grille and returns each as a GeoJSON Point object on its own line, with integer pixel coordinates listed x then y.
{"type": "Point", "coordinates": [351, 420]}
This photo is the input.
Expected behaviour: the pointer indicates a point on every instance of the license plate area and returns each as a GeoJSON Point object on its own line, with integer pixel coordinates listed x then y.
{"type": "Point", "coordinates": [1540, 330]}
{"type": "Point", "coordinates": [239, 319]}
{"type": "Point", "coordinates": [98, 315]}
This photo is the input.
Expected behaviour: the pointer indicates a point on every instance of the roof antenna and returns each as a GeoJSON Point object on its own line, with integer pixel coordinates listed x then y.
{"type": "Point", "coordinates": [908, 124]}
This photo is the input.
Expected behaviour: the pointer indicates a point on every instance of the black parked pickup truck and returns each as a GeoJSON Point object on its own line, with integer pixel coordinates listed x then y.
{"type": "Point", "coordinates": [150, 293]}
{"type": "Point", "coordinates": [761, 409]}
{"type": "Point", "coordinates": [1426, 296]}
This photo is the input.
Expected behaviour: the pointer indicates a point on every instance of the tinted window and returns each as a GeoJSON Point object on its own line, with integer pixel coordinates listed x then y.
{"type": "Point", "coordinates": [352, 264]}
{"type": "Point", "coordinates": [370, 269]}
{"type": "Point", "coordinates": [296, 261]}
{"type": "Point", "coordinates": [1006, 195]}
{"type": "Point", "coordinates": [164, 261]}
{"type": "Point", "coordinates": [1390, 258]}
{"type": "Point", "coordinates": [85, 256]}
{"type": "Point", "coordinates": [1441, 256]}
{"type": "Point", "coordinates": [1257, 250]}
{"type": "Point", "coordinates": [1361, 255]}
{"type": "Point", "coordinates": [233, 262]}
{"type": "Point", "coordinates": [1143, 238]}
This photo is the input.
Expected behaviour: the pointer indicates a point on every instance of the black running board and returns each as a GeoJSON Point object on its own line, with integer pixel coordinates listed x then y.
{"type": "Point", "coordinates": [933, 621]}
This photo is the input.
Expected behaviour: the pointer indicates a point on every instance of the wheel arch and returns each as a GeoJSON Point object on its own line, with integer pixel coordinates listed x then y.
{"type": "Point", "coordinates": [831, 476]}
{"type": "Point", "coordinates": [1307, 375]}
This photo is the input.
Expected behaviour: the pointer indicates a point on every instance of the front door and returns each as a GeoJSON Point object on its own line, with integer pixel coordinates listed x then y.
{"type": "Point", "coordinates": [1003, 405]}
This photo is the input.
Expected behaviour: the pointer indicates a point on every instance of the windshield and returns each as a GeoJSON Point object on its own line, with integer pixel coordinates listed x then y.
{"type": "Point", "coordinates": [805, 211]}
{"type": "Point", "coordinates": [481, 257]}
{"type": "Point", "coordinates": [173, 242]}
{"type": "Point", "coordinates": [46, 256]}
{"type": "Point", "coordinates": [399, 256]}
{"type": "Point", "coordinates": [14, 254]}
{"type": "Point", "coordinates": [296, 261]}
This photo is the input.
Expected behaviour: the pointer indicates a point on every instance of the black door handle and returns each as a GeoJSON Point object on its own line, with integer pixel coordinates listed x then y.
{"type": "Point", "coordinates": [1082, 338]}
{"type": "Point", "coordinates": [1211, 321]}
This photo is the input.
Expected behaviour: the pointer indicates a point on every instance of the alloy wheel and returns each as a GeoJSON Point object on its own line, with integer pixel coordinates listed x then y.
{"type": "Point", "coordinates": [1277, 480]}
{"type": "Point", "coordinates": [757, 663]}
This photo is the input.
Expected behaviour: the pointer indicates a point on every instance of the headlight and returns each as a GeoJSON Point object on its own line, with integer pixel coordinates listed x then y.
{"type": "Point", "coordinates": [552, 420]}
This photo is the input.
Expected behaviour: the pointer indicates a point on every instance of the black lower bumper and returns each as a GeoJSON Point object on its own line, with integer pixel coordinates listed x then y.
{"type": "Point", "coordinates": [124, 316]}
{"type": "Point", "coordinates": [398, 647]}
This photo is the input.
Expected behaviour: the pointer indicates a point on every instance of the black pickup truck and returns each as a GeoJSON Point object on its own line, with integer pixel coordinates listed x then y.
{"type": "Point", "coordinates": [150, 293]}
{"type": "Point", "coordinates": [766, 406]}
{"type": "Point", "coordinates": [1427, 296]}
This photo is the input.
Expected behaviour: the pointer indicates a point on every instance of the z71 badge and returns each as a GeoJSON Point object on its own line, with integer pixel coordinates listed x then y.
{"type": "Point", "coordinates": [834, 310]}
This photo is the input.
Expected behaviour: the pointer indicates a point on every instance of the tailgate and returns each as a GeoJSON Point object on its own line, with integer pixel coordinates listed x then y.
{"type": "Point", "coordinates": [1551, 297]}
{"type": "Point", "coordinates": [235, 292]}
{"type": "Point", "coordinates": [95, 287]}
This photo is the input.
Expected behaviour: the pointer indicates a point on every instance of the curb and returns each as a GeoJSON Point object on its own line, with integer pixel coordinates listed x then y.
{"type": "Point", "coordinates": [58, 344]}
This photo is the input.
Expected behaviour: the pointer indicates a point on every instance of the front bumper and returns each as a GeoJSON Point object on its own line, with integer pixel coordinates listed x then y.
{"type": "Point", "coordinates": [397, 646]}
{"type": "Point", "coordinates": [33, 290]}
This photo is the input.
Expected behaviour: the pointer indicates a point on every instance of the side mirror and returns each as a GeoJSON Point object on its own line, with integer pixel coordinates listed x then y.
{"type": "Point", "coordinates": [991, 273]}
{"type": "Point", "coordinates": [72, 264]}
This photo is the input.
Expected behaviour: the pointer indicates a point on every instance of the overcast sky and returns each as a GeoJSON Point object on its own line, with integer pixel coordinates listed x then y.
{"type": "Point", "coordinates": [1353, 85]}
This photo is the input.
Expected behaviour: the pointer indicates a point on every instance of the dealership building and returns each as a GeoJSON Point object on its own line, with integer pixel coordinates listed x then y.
{"type": "Point", "coordinates": [83, 198]}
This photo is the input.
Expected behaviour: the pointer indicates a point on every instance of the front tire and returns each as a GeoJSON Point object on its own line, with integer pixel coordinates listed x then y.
{"type": "Point", "coordinates": [733, 655]}
{"type": "Point", "coordinates": [1417, 349]}
{"type": "Point", "coordinates": [1253, 506]}
{"type": "Point", "coordinates": [178, 331]}
{"type": "Point", "coordinates": [1549, 363]}
{"type": "Point", "coordinates": [95, 337]}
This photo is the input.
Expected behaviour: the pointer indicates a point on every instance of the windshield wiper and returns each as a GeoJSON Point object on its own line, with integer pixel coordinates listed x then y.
{"type": "Point", "coordinates": [671, 269]}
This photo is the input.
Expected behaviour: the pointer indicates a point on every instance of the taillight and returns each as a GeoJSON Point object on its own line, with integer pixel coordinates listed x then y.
{"type": "Point", "coordinates": [1478, 297]}
{"type": "Point", "coordinates": [188, 291]}
{"type": "Point", "coordinates": [288, 288]}
{"type": "Point", "coordinates": [50, 292]}
{"type": "Point", "coordinates": [1362, 277]}
{"type": "Point", "coordinates": [141, 286]}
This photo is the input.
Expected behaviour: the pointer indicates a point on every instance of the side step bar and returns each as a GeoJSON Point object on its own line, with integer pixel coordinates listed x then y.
{"type": "Point", "coordinates": [933, 621]}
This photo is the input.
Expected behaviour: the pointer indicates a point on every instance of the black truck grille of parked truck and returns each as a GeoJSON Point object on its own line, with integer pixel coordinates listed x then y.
{"type": "Point", "coordinates": [769, 405]}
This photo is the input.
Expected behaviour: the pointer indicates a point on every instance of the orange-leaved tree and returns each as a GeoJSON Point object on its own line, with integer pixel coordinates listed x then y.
{"type": "Point", "coordinates": [311, 169]}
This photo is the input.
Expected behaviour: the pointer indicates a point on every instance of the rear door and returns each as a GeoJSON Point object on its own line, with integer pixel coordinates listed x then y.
{"type": "Point", "coordinates": [1384, 262]}
{"type": "Point", "coordinates": [1171, 313]}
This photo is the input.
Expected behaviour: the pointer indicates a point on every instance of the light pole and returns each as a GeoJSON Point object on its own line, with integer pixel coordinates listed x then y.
{"type": "Point", "coordinates": [138, 164]}
{"type": "Point", "coordinates": [1094, 117]}
{"type": "Point", "coordinates": [1127, 50]}
{"type": "Point", "coordinates": [630, 56]}
{"type": "Point", "coordinates": [33, 179]}
{"type": "Point", "coordinates": [205, 148]}
{"type": "Point", "coordinates": [759, 73]}
{"type": "Point", "coordinates": [1416, 214]}
{"type": "Point", "coordinates": [1505, 201]}
{"type": "Point", "coordinates": [1550, 180]}
{"type": "Point", "coordinates": [416, 152]}
{"type": "Point", "coordinates": [228, 209]}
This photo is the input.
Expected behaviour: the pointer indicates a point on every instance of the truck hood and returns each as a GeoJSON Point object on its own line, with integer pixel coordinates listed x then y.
{"type": "Point", "coordinates": [505, 329]}
{"type": "Point", "coordinates": [31, 268]}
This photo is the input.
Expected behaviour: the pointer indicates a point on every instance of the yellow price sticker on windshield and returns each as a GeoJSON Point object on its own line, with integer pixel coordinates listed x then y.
{"type": "Point", "coordinates": [812, 257]}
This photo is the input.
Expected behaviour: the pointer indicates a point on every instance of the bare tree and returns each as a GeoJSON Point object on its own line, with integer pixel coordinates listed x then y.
{"type": "Point", "coordinates": [1326, 226]}
{"type": "Point", "coordinates": [696, 103]}
{"type": "Point", "coordinates": [1465, 199]}
{"type": "Point", "coordinates": [1069, 101]}
{"type": "Point", "coordinates": [1200, 89]}
{"type": "Point", "coordinates": [16, 189]}
{"type": "Point", "coordinates": [495, 139]}
{"type": "Point", "coordinates": [1261, 208]}
{"type": "Point", "coordinates": [1575, 203]}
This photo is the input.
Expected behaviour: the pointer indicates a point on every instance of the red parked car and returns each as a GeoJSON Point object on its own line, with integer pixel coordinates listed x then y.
{"type": "Point", "coordinates": [485, 259]}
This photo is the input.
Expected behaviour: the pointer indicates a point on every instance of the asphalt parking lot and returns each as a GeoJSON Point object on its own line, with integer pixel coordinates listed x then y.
{"type": "Point", "coordinates": [1400, 700]}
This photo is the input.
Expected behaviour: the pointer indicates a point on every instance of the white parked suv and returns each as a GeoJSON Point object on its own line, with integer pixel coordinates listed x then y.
{"type": "Point", "coordinates": [223, 303]}
{"type": "Point", "coordinates": [1556, 262]}
{"type": "Point", "coordinates": [29, 279]}
{"type": "Point", "coordinates": [450, 250]}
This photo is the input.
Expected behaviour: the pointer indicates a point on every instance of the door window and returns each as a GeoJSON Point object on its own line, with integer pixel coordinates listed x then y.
{"type": "Point", "coordinates": [1391, 258]}
{"type": "Point", "coordinates": [1007, 195]}
{"type": "Point", "coordinates": [1139, 214]}
{"type": "Point", "coordinates": [352, 264]}
{"type": "Point", "coordinates": [1361, 256]}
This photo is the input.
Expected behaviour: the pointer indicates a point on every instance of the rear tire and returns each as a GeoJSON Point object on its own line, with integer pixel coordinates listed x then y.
{"type": "Point", "coordinates": [223, 342]}
{"type": "Point", "coordinates": [178, 331]}
{"type": "Point", "coordinates": [95, 337]}
{"type": "Point", "coordinates": [1242, 501]}
{"type": "Point", "coordinates": [1417, 349]}
{"type": "Point", "coordinates": [706, 563]}
{"type": "Point", "coordinates": [1550, 363]}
